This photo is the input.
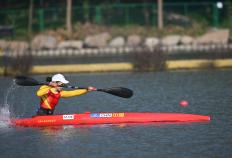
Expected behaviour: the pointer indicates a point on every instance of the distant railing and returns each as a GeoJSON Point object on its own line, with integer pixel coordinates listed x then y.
{"type": "Point", "coordinates": [144, 14]}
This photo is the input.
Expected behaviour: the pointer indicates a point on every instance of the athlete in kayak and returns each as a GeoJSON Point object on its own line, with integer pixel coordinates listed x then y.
{"type": "Point", "coordinates": [51, 94]}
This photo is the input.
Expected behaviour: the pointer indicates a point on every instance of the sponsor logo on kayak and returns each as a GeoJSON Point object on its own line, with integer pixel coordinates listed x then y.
{"type": "Point", "coordinates": [46, 121]}
{"type": "Point", "coordinates": [95, 115]}
{"type": "Point", "coordinates": [118, 114]}
{"type": "Point", "coordinates": [68, 117]}
{"type": "Point", "coordinates": [106, 115]}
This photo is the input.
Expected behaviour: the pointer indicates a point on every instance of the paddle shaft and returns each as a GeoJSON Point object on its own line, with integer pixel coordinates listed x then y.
{"type": "Point", "coordinates": [117, 91]}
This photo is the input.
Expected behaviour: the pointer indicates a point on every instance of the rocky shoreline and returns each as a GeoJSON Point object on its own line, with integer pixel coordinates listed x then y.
{"type": "Point", "coordinates": [48, 44]}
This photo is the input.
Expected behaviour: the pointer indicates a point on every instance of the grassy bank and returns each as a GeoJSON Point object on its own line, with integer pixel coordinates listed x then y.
{"type": "Point", "coordinates": [80, 31]}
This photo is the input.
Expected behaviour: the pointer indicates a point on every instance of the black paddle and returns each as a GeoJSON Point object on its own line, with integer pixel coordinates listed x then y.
{"type": "Point", "coordinates": [117, 91]}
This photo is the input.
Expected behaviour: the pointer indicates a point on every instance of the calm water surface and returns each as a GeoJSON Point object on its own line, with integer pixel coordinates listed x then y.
{"type": "Point", "coordinates": [208, 92]}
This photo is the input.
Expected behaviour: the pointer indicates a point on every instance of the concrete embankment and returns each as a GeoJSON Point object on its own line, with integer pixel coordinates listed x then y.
{"type": "Point", "coordinates": [198, 64]}
{"type": "Point", "coordinates": [126, 66]}
{"type": "Point", "coordinates": [1, 70]}
{"type": "Point", "coordinates": [117, 59]}
{"type": "Point", "coordinates": [78, 68]}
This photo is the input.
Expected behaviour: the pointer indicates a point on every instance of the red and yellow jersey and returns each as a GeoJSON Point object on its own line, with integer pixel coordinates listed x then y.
{"type": "Point", "coordinates": [50, 97]}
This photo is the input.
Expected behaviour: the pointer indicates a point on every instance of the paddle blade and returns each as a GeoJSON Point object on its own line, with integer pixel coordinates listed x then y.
{"type": "Point", "coordinates": [118, 91]}
{"type": "Point", "coordinates": [26, 81]}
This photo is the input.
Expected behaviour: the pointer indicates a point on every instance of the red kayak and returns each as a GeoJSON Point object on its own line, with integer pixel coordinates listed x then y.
{"type": "Point", "coordinates": [88, 118]}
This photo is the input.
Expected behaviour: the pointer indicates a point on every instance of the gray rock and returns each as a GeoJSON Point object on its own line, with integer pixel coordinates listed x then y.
{"type": "Point", "coordinates": [134, 40]}
{"type": "Point", "coordinates": [186, 40]}
{"type": "Point", "coordinates": [218, 36]}
{"type": "Point", "coordinates": [117, 42]}
{"type": "Point", "coordinates": [151, 42]}
{"type": "Point", "coordinates": [3, 44]}
{"type": "Point", "coordinates": [71, 44]}
{"type": "Point", "coordinates": [18, 45]}
{"type": "Point", "coordinates": [171, 40]}
{"type": "Point", "coordinates": [44, 42]}
{"type": "Point", "coordinates": [97, 41]}
{"type": "Point", "coordinates": [16, 48]}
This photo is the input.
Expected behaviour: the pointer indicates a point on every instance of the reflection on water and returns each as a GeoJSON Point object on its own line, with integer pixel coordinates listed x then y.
{"type": "Point", "coordinates": [66, 132]}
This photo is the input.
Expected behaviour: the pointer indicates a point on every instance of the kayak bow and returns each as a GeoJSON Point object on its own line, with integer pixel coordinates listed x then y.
{"type": "Point", "coordinates": [88, 118]}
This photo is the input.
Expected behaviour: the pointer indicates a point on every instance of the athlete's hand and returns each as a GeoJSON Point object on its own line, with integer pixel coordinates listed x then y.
{"type": "Point", "coordinates": [91, 89]}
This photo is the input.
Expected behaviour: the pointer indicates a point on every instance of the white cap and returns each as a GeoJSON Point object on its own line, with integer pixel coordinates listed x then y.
{"type": "Point", "coordinates": [60, 78]}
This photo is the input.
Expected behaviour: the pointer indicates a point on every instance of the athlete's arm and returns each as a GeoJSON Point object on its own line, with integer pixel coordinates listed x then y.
{"type": "Point", "coordinates": [73, 93]}
{"type": "Point", "coordinates": [43, 90]}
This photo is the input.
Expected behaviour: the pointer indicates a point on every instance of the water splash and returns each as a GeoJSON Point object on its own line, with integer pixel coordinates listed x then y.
{"type": "Point", "coordinates": [9, 90]}
{"type": "Point", "coordinates": [4, 116]}
{"type": "Point", "coordinates": [5, 113]}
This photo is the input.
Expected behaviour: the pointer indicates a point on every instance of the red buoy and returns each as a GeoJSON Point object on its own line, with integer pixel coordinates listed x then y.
{"type": "Point", "coordinates": [184, 103]}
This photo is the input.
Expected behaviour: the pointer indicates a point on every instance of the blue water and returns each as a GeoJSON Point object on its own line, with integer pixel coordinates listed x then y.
{"type": "Point", "coordinates": [208, 93]}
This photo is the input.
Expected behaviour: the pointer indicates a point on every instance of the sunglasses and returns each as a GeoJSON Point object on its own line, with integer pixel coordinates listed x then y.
{"type": "Point", "coordinates": [60, 84]}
